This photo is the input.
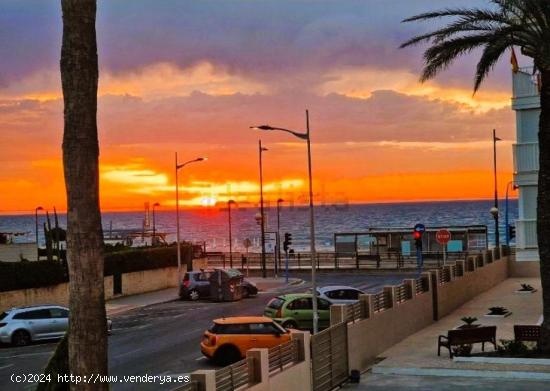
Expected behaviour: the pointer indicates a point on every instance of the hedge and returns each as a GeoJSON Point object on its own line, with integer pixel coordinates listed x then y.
{"type": "Point", "coordinates": [36, 274]}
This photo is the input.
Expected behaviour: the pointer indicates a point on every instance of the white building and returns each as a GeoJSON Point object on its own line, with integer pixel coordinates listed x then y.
{"type": "Point", "coordinates": [526, 103]}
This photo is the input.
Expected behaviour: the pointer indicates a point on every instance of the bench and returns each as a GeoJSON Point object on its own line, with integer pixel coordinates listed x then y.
{"type": "Point", "coordinates": [527, 333]}
{"type": "Point", "coordinates": [467, 337]}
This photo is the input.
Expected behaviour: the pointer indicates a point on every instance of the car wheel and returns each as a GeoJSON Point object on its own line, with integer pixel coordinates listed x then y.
{"type": "Point", "coordinates": [227, 355]}
{"type": "Point", "coordinates": [290, 324]}
{"type": "Point", "coordinates": [21, 338]}
{"type": "Point", "coordinates": [194, 295]}
{"type": "Point", "coordinates": [246, 292]}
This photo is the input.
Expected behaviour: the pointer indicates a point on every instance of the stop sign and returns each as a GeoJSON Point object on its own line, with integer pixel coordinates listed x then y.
{"type": "Point", "coordinates": [443, 236]}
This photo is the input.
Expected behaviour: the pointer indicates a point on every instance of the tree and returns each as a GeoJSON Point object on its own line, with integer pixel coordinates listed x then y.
{"type": "Point", "coordinates": [495, 30]}
{"type": "Point", "coordinates": [79, 78]}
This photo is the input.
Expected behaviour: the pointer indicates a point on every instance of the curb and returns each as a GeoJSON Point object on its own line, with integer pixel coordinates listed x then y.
{"type": "Point", "coordinates": [472, 373]}
{"type": "Point", "coordinates": [130, 308]}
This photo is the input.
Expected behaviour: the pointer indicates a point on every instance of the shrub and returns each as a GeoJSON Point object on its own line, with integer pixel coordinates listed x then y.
{"type": "Point", "coordinates": [512, 347]}
{"type": "Point", "coordinates": [468, 320]}
{"type": "Point", "coordinates": [498, 311]}
{"type": "Point", "coordinates": [23, 275]}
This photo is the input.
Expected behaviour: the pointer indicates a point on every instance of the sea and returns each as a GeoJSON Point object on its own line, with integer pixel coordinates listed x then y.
{"type": "Point", "coordinates": [210, 225]}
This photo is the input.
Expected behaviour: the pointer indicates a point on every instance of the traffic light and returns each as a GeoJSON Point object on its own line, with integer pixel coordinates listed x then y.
{"type": "Point", "coordinates": [511, 232]}
{"type": "Point", "coordinates": [418, 239]}
{"type": "Point", "coordinates": [288, 241]}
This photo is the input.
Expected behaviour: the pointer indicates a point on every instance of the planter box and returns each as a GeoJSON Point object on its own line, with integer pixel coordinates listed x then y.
{"type": "Point", "coordinates": [498, 316]}
{"type": "Point", "coordinates": [504, 360]}
{"type": "Point", "coordinates": [520, 292]}
{"type": "Point", "coordinates": [465, 326]}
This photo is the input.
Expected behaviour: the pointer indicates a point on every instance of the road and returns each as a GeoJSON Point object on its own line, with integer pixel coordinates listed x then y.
{"type": "Point", "coordinates": [163, 339]}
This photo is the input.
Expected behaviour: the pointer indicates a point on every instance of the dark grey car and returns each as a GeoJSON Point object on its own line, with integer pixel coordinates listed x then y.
{"type": "Point", "coordinates": [196, 285]}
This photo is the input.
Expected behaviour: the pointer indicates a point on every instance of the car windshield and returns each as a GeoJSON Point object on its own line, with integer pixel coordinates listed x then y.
{"type": "Point", "coordinates": [276, 303]}
{"type": "Point", "coordinates": [3, 315]}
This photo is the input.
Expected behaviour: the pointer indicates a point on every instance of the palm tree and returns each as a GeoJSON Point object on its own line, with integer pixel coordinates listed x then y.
{"type": "Point", "coordinates": [79, 78]}
{"type": "Point", "coordinates": [495, 30]}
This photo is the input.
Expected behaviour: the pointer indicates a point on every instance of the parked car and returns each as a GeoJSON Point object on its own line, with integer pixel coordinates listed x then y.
{"type": "Point", "coordinates": [339, 294]}
{"type": "Point", "coordinates": [196, 285]}
{"type": "Point", "coordinates": [228, 339]}
{"type": "Point", "coordinates": [22, 325]}
{"type": "Point", "coordinates": [295, 311]}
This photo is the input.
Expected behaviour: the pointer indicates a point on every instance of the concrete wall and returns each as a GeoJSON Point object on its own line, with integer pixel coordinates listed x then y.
{"type": "Point", "coordinates": [13, 252]}
{"type": "Point", "coordinates": [523, 269]}
{"type": "Point", "coordinates": [132, 283]}
{"type": "Point", "coordinates": [369, 337]}
{"type": "Point", "coordinates": [451, 295]}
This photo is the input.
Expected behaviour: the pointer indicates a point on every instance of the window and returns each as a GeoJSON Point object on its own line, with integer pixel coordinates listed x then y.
{"type": "Point", "coordinates": [237, 328]}
{"type": "Point", "coordinates": [35, 314]}
{"type": "Point", "coordinates": [264, 328]}
{"type": "Point", "coordinates": [323, 304]}
{"type": "Point", "coordinates": [203, 277]}
{"type": "Point", "coordinates": [3, 315]}
{"type": "Point", "coordinates": [351, 294]}
{"type": "Point", "coordinates": [59, 313]}
{"type": "Point", "coordinates": [276, 303]}
{"type": "Point", "coordinates": [304, 303]}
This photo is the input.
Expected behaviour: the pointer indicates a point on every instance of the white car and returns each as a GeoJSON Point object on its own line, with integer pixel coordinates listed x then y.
{"type": "Point", "coordinates": [22, 325]}
{"type": "Point", "coordinates": [339, 294]}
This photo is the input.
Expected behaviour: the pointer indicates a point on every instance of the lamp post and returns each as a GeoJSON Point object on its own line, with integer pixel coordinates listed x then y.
{"type": "Point", "coordinates": [279, 201]}
{"type": "Point", "coordinates": [179, 166]}
{"type": "Point", "coordinates": [261, 150]}
{"type": "Point", "coordinates": [154, 224]}
{"type": "Point", "coordinates": [36, 230]}
{"type": "Point", "coordinates": [306, 136]}
{"type": "Point", "coordinates": [229, 203]}
{"type": "Point", "coordinates": [494, 209]}
{"type": "Point", "coordinates": [506, 218]}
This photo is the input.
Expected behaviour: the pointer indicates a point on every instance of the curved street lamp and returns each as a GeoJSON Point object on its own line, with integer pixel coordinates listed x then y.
{"type": "Point", "coordinates": [305, 136]}
{"type": "Point", "coordinates": [179, 166]}
{"type": "Point", "coordinates": [154, 224]}
{"type": "Point", "coordinates": [229, 203]}
{"type": "Point", "coordinates": [261, 150]}
{"type": "Point", "coordinates": [36, 230]}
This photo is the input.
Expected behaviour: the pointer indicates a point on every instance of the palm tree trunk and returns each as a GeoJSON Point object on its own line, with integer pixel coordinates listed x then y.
{"type": "Point", "coordinates": [79, 77]}
{"type": "Point", "coordinates": [543, 207]}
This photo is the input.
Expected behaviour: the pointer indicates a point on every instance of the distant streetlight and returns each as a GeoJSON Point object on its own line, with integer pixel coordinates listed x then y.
{"type": "Point", "coordinates": [261, 150]}
{"type": "Point", "coordinates": [494, 209]}
{"type": "Point", "coordinates": [179, 166]}
{"type": "Point", "coordinates": [305, 136]}
{"type": "Point", "coordinates": [279, 201]}
{"type": "Point", "coordinates": [154, 224]}
{"type": "Point", "coordinates": [229, 203]}
{"type": "Point", "coordinates": [36, 230]}
{"type": "Point", "coordinates": [506, 218]}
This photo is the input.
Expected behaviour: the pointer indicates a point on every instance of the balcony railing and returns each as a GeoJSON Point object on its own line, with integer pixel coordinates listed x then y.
{"type": "Point", "coordinates": [525, 83]}
{"type": "Point", "coordinates": [526, 234]}
{"type": "Point", "coordinates": [526, 157]}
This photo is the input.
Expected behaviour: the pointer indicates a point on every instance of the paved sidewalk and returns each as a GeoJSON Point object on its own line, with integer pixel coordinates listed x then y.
{"type": "Point", "coordinates": [127, 303]}
{"type": "Point", "coordinates": [413, 363]}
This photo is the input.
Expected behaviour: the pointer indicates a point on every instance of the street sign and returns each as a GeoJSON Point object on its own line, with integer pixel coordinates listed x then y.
{"type": "Point", "coordinates": [420, 228]}
{"type": "Point", "coordinates": [270, 239]}
{"type": "Point", "coordinates": [443, 236]}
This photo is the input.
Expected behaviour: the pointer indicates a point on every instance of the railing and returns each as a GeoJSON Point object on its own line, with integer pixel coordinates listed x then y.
{"type": "Point", "coordinates": [526, 157]}
{"type": "Point", "coordinates": [329, 353]}
{"type": "Point", "coordinates": [444, 275]}
{"type": "Point", "coordinates": [381, 301]}
{"type": "Point", "coordinates": [421, 285]}
{"type": "Point", "coordinates": [402, 293]}
{"type": "Point", "coordinates": [283, 355]}
{"type": "Point", "coordinates": [526, 234]}
{"type": "Point", "coordinates": [355, 311]}
{"type": "Point", "coordinates": [525, 83]}
{"type": "Point", "coordinates": [459, 270]}
{"type": "Point", "coordinates": [234, 376]}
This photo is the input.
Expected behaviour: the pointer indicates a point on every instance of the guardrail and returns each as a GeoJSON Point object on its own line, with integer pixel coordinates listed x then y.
{"type": "Point", "coordinates": [283, 356]}
{"type": "Point", "coordinates": [234, 376]}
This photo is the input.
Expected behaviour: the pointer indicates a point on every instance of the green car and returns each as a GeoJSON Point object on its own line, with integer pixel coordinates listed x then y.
{"type": "Point", "coordinates": [295, 311]}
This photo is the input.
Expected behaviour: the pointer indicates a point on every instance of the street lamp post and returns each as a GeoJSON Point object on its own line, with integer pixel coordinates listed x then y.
{"type": "Point", "coordinates": [179, 166]}
{"type": "Point", "coordinates": [506, 218]}
{"type": "Point", "coordinates": [261, 150]}
{"type": "Point", "coordinates": [306, 136]}
{"type": "Point", "coordinates": [229, 203]}
{"type": "Point", "coordinates": [494, 209]}
{"type": "Point", "coordinates": [154, 224]}
{"type": "Point", "coordinates": [36, 230]}
{"type": "Point", "coordinates": [279, 201]}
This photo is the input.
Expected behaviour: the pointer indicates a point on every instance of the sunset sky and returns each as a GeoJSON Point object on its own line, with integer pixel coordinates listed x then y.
{"type": "Point", "coordinates": [192, 76]}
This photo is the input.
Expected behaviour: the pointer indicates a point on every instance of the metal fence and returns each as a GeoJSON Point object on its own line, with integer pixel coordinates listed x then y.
{"type": "Point", "coordinates": [283, 355]}
{"type": "Point", "coordinates": [329, 356]}
{"type": "Point", "coordinates": [234, 376]}
{"type": "Point", "coordinates": [402, 293]}
{"type": "Point", "coordinates": [381, 301]}
{"type": "Point", "coordinates": [356, 311]}
{"type": "Point", "coordinates": [190, 386]}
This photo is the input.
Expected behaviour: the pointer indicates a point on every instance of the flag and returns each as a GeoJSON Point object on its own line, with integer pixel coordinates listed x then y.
{"type": "Point", "coordinates": [514, 61]}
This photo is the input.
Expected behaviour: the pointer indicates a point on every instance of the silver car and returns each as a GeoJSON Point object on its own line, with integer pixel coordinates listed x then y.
{"type": "Point", "coordinates": [23, 325]}
{"type": "Point", "coordinates": [339, 294]}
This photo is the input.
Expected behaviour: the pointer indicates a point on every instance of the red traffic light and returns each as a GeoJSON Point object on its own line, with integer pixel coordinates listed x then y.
{"type": "Point", "coordinates": [417, 235]}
